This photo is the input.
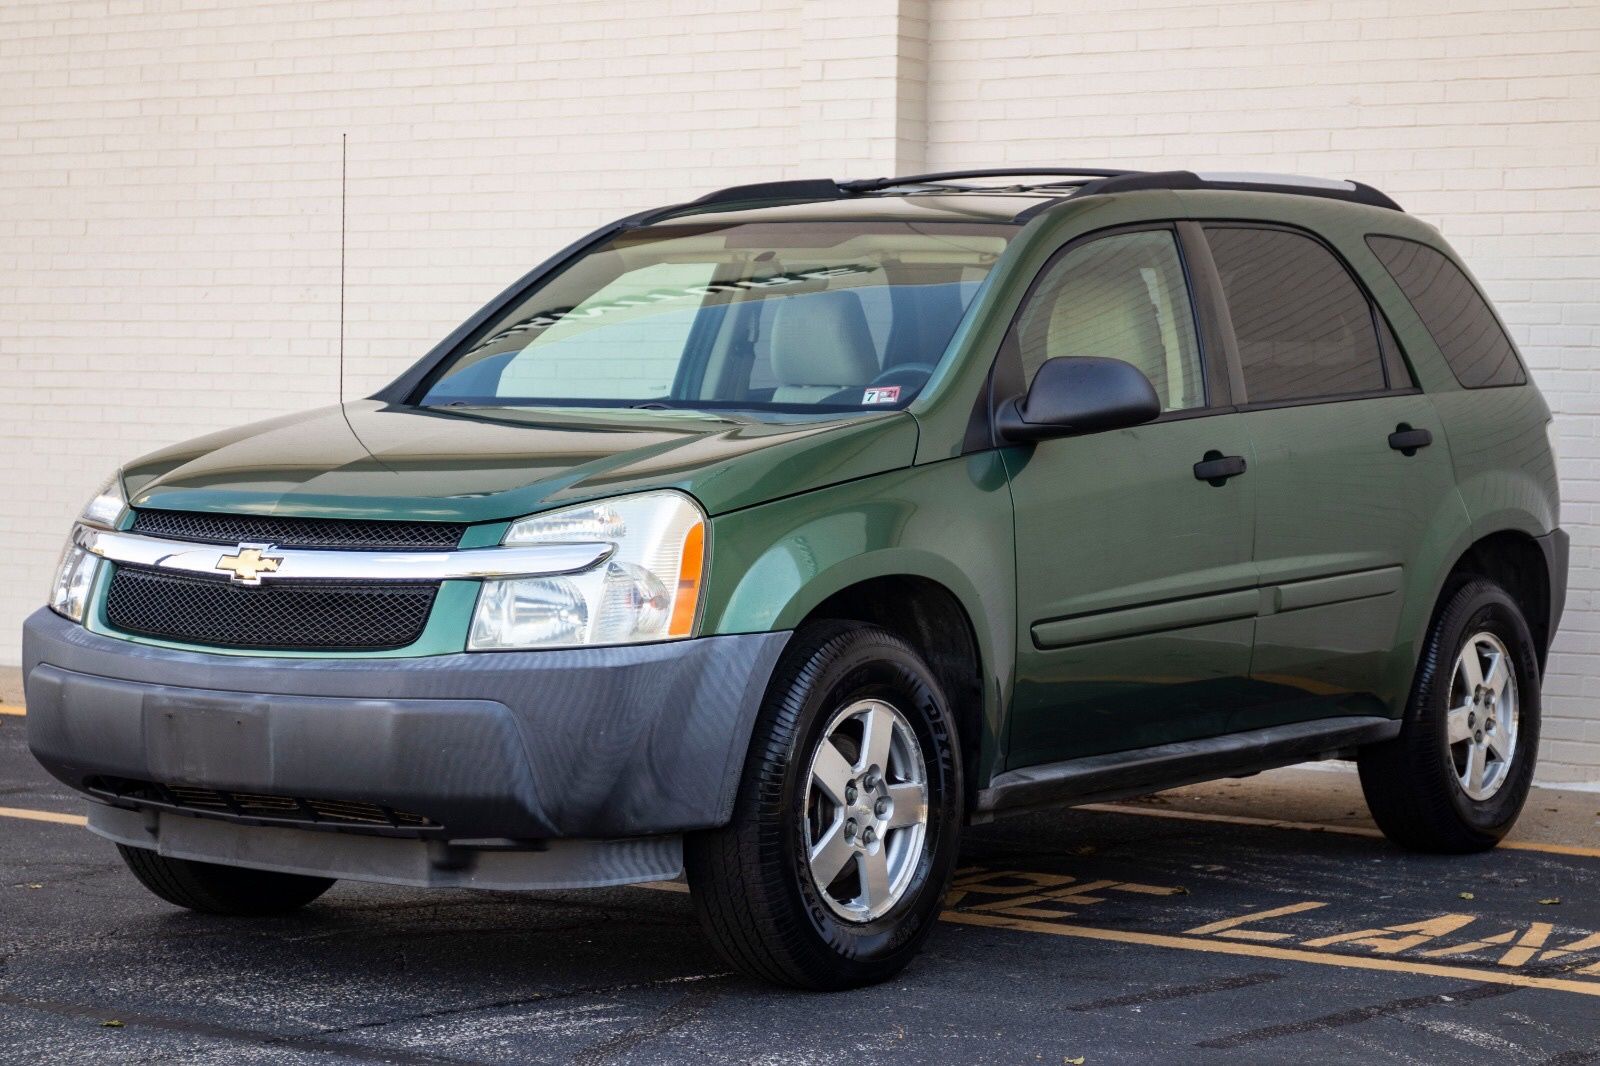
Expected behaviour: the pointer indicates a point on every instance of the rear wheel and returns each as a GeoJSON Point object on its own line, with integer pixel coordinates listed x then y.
{"type": "Point", "coordinates": [847, 820]}
{"type": "Point", "coordinates": [1457, 776]}
{"type": "Point", "coordinates": [214, 889]}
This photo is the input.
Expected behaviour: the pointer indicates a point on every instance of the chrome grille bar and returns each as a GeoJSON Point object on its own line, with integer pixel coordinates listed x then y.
{"type": "Point", "coordinates": [306, 564]}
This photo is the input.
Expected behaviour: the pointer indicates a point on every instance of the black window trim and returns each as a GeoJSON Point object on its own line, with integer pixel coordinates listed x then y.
{"type": "Point", "coordinates": [1494, 312]}
{"type": "Point", "coordinates": [1236, 367]}
{"type": "Point", "coordinates": [1005, 373]}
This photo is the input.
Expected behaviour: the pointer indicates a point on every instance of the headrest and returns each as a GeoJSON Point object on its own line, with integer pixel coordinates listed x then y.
{"type": "Point", "coordinates": [1110, 314]}
{"type": "Point", "coordinates": [822, 338]}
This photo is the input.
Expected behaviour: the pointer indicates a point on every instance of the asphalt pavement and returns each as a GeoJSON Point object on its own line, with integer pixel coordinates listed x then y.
{"type": "Point", "coordinates": [1195, 927]}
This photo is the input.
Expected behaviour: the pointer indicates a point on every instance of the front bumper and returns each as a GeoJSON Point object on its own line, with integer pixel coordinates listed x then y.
{"type": "Point", "coordinates": [592, 743]}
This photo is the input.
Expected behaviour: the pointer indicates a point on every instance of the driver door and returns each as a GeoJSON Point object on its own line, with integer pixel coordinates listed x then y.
{"type": "Point", "coordinates": [1136, 589]}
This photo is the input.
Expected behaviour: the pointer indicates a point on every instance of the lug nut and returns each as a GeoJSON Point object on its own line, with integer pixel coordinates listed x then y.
{"type": "Point", "coordinates": [850, 793]}
{"type": "Point", "coordinates": [870, 836]}
{"type": "Point", "coordinates": [881, 808]}
{"type": "Point", "coordinates": [850, 829]}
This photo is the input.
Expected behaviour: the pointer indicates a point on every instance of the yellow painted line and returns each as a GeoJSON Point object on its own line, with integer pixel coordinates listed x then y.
{"type": "Point", "coordinates": [1264, 951]}
{"type": "Point", "coordinates": [43, 816]}
{"type": "Point", "coordinates": [1103, 808]}
{"type": "Point", "coordinates": [1259, 916]}
{"type": "Point", "coordinates": [1313, 827]}
{"type": "Point", "coordinates": [6, 708]}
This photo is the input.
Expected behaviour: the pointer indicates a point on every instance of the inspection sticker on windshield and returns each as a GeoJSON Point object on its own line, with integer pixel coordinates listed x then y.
{"type": "Point", "coordinates": [882, 394]}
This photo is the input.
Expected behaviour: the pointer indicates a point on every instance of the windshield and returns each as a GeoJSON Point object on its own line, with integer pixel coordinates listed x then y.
{"type": "Point", "coordinates": [786, 316]}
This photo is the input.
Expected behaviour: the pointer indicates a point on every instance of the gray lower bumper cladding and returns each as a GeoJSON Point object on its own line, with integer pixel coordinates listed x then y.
{"type": "Point", "coordinates": [581, 751]}
{"type": "Point", "coordinates": [420, 863]}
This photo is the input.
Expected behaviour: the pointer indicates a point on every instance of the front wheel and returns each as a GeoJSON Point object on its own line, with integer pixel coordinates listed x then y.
{"type": "Point", "coordinates": [1457, 776]}
{"type": "Point", "coordinates": [214, 889]}
{"type": "Point", "coordinates": [847, 820]}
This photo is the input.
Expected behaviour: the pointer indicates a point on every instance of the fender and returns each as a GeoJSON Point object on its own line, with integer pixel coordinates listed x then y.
{"type": "Point", "coordinates": [775, 563]}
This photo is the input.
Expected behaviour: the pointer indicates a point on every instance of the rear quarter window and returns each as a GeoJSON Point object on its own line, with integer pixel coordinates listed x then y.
{"type": "Point", "coordinates": [1454, 311]}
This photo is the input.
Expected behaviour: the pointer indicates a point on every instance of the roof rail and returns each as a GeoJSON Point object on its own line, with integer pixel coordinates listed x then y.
{"type": "Point", "coordinates": [828, 189]}
{"type": "Point", "coordinates": [1095, 181]}
{"type": "Point", "coordinates": [1349, 191]}
{"type": "Point", "coordinates": [800, 189]}
{"type": "Point", "coordinates": [874, 184]}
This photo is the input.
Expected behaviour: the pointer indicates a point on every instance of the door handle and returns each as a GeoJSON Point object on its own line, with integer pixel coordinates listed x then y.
{"type": "Point", "coordinates": [1406, 440]}
{"type": "Point", "coordinates": [1217, 468]}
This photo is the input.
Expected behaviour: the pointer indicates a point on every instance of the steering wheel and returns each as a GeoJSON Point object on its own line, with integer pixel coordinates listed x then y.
{"type": "Point", "coordinates": [907, 375]}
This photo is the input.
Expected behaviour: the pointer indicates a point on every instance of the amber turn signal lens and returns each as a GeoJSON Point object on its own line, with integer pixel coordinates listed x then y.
{"type": "Point", "coordinates": [690, 567]}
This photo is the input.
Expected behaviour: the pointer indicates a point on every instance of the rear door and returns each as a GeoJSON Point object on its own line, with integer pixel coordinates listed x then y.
{"type": "Point", "coordinates": [1136, 592]}
{"type": "Point", "coordinates": [1351, 470]}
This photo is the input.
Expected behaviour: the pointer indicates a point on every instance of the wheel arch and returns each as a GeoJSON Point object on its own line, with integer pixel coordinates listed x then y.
{"type": "Point", "coordinates": [937, 537]}
{"type": "Point", "coordinates": [932, 619]}
{"type": "Point", "coordinates": [1511, 559]}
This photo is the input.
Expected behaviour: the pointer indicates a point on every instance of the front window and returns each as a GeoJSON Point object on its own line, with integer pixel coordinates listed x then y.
{"type": "Point", "coordinates": [1118, 297]}
{"type": "Point", "coordinates": [784, 316]}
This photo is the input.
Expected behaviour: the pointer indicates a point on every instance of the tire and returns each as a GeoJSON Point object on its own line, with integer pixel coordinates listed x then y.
{"type": "Point", "coordinates": [1415, 784]}
{"type": "Point", "coordinates": [213, 889]}
{"type": "Point", "coordinates": [752, 880]}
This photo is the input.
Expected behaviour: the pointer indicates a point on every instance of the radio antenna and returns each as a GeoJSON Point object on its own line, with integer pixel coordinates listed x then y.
{"type": "Point", "coordinates": [344, 158]}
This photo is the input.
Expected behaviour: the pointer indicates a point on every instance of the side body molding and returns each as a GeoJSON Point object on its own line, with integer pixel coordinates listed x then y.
{"type": "Point", "coordinates": [1220, 607]}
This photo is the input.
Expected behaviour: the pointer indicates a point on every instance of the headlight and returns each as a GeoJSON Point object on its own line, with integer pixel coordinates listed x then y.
{"type": "Point", "coordinates": [69, 596]}
{"type": "Point", "coordinates": [106, 508]}
{"type": "Point", "coordinates": [647, 589]}
{"type": "Point", "coordinates": [75, 573]}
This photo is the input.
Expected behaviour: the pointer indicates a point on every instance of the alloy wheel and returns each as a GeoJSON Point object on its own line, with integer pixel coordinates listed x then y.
{"type": "Point", "coordinates": [866, 822]}
{"type": "Point", "coordinates": [1483, 717]}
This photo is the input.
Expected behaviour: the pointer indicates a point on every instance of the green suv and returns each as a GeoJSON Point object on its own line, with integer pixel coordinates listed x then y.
{"type": "Point", "coordinates": [773, 538]}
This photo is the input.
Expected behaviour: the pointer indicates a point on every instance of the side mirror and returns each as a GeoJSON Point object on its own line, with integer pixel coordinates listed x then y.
{"type": "Point", "coordinates": [1073, 396]}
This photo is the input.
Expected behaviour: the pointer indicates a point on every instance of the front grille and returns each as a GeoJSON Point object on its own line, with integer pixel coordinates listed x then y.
{"type": "Point", "coordinates": [329, 533]}
{"type": "Point", "coordinates": [283, 615]}
{"type": "Point", "coordinates": [259, 809]}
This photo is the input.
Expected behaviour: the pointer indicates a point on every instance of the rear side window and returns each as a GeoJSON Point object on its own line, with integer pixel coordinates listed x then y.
{"type": "Point", "coordinates": [1304, 327]}
{"type": "Point", "coordinates": [1456, 314]}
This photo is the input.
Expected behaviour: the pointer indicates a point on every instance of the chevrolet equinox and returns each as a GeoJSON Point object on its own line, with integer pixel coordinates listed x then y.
{"type": "Point", "coordinates": [772, 538]}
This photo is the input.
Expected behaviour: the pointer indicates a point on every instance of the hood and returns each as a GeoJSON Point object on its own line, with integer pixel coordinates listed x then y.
{"type": "Point", "coordinates": [367, 459]}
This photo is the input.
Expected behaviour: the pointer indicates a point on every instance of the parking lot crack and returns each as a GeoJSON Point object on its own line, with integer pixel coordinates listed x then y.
{"type": "Point", "coordinates": [1160, 995]}
{"type": "Point", "coordinates": [317, 1041]}
{"type": "Point", "coordinates": [682, 1011]}
{"type": "Point", "coordinates": [506, 1004]}
{"type": "Point", "coordinates": [1357, 1015]}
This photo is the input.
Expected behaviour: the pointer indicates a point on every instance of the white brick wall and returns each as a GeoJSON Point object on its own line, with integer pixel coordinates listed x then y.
{"type": "Point", "coordinates": [169, 181]}
{"type": "Point", "coordinates": [863, 70]}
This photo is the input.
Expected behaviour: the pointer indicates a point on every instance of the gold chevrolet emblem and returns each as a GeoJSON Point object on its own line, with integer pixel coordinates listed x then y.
{"type": "Point", "coordinates": [251, 561]}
